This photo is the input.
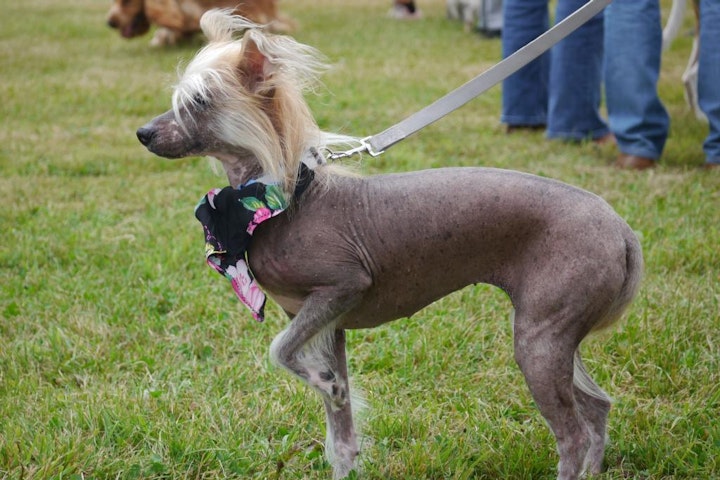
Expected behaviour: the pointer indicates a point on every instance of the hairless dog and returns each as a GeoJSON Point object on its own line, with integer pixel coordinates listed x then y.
{"type": "Point", "coordinates": [352, 252]}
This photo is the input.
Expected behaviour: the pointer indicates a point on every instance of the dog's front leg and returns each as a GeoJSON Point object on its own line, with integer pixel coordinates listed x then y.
{"type": "Point", "coordinates": [165, 37]}
{"type": "Point", "coordinates": [307, 347]}
{"type": "Point", "coordinates": [341, 446]}
{"type": "Point", "coordinates": [324, 368]}
{"type": "Point", "coordinates": [313, 349]}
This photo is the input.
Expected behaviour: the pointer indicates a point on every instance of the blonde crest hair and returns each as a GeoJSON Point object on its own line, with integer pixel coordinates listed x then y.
{"type": "Point", "coordinates": [257, 81]}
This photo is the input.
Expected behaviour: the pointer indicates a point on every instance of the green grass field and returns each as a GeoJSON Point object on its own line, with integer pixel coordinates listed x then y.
{"type": "Point", "coordinates": [123, 356]}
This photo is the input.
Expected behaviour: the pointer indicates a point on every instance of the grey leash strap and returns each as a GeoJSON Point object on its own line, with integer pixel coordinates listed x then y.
{"type": "Point", "coordinates": [377, 144]}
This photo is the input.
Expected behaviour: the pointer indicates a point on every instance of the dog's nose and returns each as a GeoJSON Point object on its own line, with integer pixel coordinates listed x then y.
{"type": "Point", "coordinates": [112, 23]}
{"type": "Point", "coordinates": [145, 135]}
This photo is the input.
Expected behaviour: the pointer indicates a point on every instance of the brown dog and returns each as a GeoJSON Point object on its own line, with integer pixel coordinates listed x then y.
{"type": "Point", "coordinates": [181, 18]}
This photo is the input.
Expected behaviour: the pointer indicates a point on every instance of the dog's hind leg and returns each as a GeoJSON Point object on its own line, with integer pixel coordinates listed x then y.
{"type": "Point", "coordinates": [544, 351]}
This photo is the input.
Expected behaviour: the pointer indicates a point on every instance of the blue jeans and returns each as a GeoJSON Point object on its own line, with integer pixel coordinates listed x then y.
{"type": "Point", "coordinates": [562, 88]}
{"type": "Point", "coordinates": [709, 75]}
{"type": "Point", "coordinates": [633, 42]}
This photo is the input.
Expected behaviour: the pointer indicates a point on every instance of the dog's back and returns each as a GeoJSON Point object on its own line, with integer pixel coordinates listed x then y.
{"type": "Point", "coordinates": [184, 15]}
{"type": "Point", "coordinates": [180, 18]}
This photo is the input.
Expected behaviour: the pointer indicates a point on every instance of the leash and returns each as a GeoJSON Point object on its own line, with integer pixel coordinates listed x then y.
{"type": "Point", "coordinates": [377, 144]}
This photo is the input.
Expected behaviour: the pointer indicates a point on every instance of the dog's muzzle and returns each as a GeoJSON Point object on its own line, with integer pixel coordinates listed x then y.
{"type": "Point", "coordinates": [146, 135]}
{"type": "Point", "coordinates": [162, 137]}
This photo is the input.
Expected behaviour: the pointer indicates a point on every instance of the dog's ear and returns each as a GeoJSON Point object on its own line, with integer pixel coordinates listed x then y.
{"type": "Point", "coordinates": [255, 68]}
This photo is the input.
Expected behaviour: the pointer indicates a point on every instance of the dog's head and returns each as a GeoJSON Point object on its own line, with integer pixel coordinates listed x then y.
{"type": "Point", "coordinates": [128, 16]}
{"type": "Point", "coordinates": [240, 100]}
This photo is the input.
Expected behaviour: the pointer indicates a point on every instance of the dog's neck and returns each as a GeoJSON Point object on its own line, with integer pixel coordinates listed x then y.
{"type": "Point", "coordinates": [241, 170]}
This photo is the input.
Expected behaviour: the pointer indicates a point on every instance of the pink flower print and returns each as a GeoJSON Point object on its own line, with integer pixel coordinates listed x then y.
{"type": "Point", "coordinates": [254, 298]}
{"type": "Point", "coordinates": [240, 277]}
{"type": "Point", "coordinates": [245, 288]}
{"type": "Point", "coordinates": [261, 214]}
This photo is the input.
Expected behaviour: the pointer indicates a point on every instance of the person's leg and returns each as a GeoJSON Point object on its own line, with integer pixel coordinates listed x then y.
{"type": "Point", "coordinates": [525, 93]}
{"type": "Point", "coordinates": [576, 79]}
{"type": "Point", "coordinates": [491, 17]}
{"type": "Point", "coordinates": [633, 41]}
{"type": "Point", "coordinates": [709, 76]}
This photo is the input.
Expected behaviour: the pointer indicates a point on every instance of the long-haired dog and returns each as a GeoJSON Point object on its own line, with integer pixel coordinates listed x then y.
{"type": "Point", "coordinates": [177, 19]}
{"type": "Point", "coordinates": [357, 252]}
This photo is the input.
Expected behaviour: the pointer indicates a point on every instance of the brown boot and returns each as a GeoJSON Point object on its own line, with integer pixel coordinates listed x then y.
{"type": "Point", "coordinates": [634, 162]}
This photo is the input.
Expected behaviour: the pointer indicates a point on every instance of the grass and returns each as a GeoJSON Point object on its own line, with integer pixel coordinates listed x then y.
{"type": "Point", "coordinates": [123, 356]}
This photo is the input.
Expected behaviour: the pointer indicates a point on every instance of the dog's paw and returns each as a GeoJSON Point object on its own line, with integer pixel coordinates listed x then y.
{"type": "Point", "coordinates": [164, 37]}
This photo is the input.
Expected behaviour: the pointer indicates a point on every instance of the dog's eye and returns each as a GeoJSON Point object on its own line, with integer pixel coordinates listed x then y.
{"type": "Point", "coordinates": [202, 101]}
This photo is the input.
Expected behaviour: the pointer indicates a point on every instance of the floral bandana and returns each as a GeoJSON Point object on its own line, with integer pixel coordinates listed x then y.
{"type": "Point", "coordinates": [229, 217]}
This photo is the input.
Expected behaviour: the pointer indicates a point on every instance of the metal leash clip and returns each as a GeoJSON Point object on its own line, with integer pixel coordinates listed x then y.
{"type": "Point", "coordinates": [362, 148]}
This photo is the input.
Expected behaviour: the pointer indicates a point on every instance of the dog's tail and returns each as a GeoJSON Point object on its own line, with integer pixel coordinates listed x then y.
{"type": "Point", "coordinates": [583, 381]}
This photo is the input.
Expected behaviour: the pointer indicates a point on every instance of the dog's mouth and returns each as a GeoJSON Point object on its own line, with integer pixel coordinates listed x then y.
{"type": "Point", "coordinates": [138, 26]}
{"type": "Point", "coordinates": [191, 151]}
{"type": "Point", "coordinates": [172, 152]}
